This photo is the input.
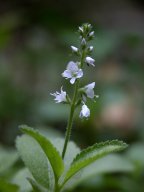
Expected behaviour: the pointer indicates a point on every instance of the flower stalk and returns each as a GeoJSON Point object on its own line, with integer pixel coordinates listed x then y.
{"type": "Point", "coordinates": [74, 72]}
{"type": "Point", "coordinates": [72, 110]}
{"type": "Point", "coordinates": [70, 120]}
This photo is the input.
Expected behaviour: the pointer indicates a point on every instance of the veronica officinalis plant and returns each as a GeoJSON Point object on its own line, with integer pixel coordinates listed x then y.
{"type": "Point", "coordinates": [53, 163]}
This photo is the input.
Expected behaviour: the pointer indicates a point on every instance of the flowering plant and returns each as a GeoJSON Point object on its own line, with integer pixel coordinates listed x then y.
{"type": "Point", "coordinates": [54, 164]}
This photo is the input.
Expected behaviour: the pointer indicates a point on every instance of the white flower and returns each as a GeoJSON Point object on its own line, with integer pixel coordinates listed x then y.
{"type": "Point", "coordinates": [88, 89]}
{"type": "Point", "coordinates": [72, 72]}
{"type": "Point", "coordinates": [60, 97]}
{"type": "Point", "coordinates": [85, 112]}
{"type": "Point", "coordinates": [90, 61]}
{"type": "Point", "coordinates": [74, 49]}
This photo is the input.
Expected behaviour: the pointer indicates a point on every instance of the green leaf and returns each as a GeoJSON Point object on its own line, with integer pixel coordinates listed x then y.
{"type": "Point", "coordinates": [8, 187]}
{"type": "Point", "coordinates": [7, 158]}
{"type": "Point", "coordinates": [36, 160]}
{"type": "Point", "coordinates": [89, 155]}
{"type": "Point", "coordinates": [48, 148]}
{"type": "Point", "coordinates": [112, 163]}
{"type": "Point", "coordinates": [36, 187]}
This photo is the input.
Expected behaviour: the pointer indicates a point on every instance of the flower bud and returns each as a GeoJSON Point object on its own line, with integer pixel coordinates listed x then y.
{"type": "Point", "coordinates": [89, 50]}
{"type": "Point", "coordinates": [81, 29]}
{"type": "Point", "coordinates": [83, 43]}
{"type": "Point", "coordinates": [89, 26]}
{"type": "Point", "coordinates": [90, 61]}
{"type": "Point", "coordinates": [74, 49]}
{"type": "Point", "coordinates": [91, 34]}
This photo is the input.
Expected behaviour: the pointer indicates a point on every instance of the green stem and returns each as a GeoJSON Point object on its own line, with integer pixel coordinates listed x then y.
{"type": "Point", "coordinates": [72, 110]}
{"type": "Point", "coordinates": [70, 121]}
{"type": "Point", "coordinates": [57, 188]}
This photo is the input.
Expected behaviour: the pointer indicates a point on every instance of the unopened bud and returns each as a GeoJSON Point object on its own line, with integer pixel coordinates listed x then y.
{"type": "Point", "coordinates": [81, 30]}
{"type": "Point", "coordinates": [91, 34]}
{"type": "Point", "coordinates": [89, 26]}
{"type": "Point", "coordinates": [91, 48]}
{"type": "Point", "coordinates": [90, 61]}
{"type": "Point", "coordinates": [83, 43]}
{"type": "Point", "coordinates": [74, 49]}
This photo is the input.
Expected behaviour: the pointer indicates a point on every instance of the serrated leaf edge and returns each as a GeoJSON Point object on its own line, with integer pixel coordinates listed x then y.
{"type": "Point", "coordinates": [98, 145]}
{"type": "Point", "coordinates": [76, 161]}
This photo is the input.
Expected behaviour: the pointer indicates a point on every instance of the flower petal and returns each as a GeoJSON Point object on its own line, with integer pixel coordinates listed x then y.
{"type": "Point", "coordinates": [72, 66]}
{"type": "Point", "coordinates": [67, 74]}
{"type": "Point", "coordinates": [79, 73]}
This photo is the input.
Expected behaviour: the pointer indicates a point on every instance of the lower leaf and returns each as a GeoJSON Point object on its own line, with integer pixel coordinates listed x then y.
{"type": "Point", "coordinates": [89, 155]}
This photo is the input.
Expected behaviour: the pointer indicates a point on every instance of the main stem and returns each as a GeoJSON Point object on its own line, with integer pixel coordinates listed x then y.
{"type": "Point", "coordinates": [72, 110]}
{"type": "Point", "coordinates": [70, 121]}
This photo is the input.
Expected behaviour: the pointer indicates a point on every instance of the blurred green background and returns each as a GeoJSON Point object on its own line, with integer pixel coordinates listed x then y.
{"type": "Point", "coordinates": [35, 40]}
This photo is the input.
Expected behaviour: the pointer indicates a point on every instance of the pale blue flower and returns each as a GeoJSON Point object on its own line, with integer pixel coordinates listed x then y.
{"type": "Point", "coordinates": [85, 112]}
{"type": "Point", "coordinates": [60, 97]}
{"type": "Point", "coordinates": [72, 72]}
{"type": "Point", "coordinates": [89, 90]}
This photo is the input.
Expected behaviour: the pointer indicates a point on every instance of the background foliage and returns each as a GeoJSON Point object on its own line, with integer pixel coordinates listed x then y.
{"type": "Point", "coordinates": [35, 37]}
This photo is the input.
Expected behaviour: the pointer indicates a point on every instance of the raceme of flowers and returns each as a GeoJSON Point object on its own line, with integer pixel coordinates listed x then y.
{"type": "Point", "coordinates": [74, 71]}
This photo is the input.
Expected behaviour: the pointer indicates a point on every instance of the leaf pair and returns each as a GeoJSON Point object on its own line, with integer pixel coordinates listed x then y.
{"type": "Point", "coordinates": [48, 168]}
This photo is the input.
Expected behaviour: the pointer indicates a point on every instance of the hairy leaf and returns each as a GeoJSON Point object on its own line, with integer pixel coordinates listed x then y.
{"type": "Point", "coordinates": [48, 148]}
{"type": "Point", "coordinates": [90, 155]}
{"type": "Point", "coordinates": [113, 163]}
{"type": "Point", "coordinates": [36, 160]}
